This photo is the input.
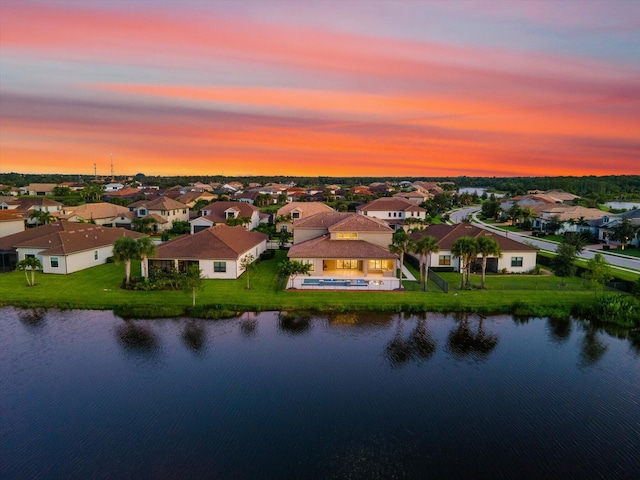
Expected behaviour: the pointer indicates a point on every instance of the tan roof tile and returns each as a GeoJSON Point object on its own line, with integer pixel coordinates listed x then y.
{"type": "Point", "coordinates": [324, 247]}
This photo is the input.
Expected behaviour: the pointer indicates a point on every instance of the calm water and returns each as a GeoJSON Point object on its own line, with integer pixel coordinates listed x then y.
{"type": "Point", "coordinates": [623, 205]}
{"type": "Point", "coordinates": [88, 395]}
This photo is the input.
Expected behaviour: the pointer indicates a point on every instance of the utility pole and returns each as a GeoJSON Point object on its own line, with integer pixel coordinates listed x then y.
{"type": "Point", "coordinates": [95, 171]}
{"type": "Point", "coordinates": [112, 167]}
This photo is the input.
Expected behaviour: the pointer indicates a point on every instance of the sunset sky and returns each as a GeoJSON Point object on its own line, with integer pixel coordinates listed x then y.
{"type": "Point", "coordinates": [342, 88]}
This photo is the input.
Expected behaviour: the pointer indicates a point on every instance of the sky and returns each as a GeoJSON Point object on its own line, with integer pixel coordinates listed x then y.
{"type": "Point", "coordinates": [320, 87]}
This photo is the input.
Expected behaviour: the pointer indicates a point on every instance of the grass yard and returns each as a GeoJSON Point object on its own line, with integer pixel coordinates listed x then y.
{"type": "Point", "coordinates": [99, 288]}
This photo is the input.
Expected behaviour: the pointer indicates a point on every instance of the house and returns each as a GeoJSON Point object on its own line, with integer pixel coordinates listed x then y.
{"type": "Point", "coordinates": [571, 218]}
{"type": "Point", "coordinates": [163, 210]}
{"type": "Point", "coordinates": [126, 193]}
{"type": "Point", "coordinates": [397, 212]}
{"type": "Point", "coordinates": [221, 212]}
{"type": "Point", "coordinates": [217, 251]}
{"type": "Point", "coordinates": [433, 188]}
{"type": "Point", "coordinates": [102, 213]}
{"type": "Point", "coordinates": [39, 189]}
{"type": "Point", "coordinates": [346, 251]}
{"type": "Point", "coordinates": [28, 205]}
{"type": "Point", "coordinates": [63, 247]}
{"type": "Point", "coordinates": [286, 215]}
{"type": "Point", "coordinates": [11, 221]}
{"type": "Point", "coordinates": [113, 187]}
{"type": "Point", "coordinates": [192, 197]}
{"type": "Point", "coordinates": [516, 257]}
{"type": "Point", "coordinates": [415, 196]}
{"type": "Point", "coordinates": [608, 222]}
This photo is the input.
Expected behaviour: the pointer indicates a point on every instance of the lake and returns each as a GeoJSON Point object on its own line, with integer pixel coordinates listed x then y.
{"type": "Point", "coordinates": [623, 205]}
{"type": "Point", "coordinates": [479, 190]}
{"type": "Point", "coordinates": [85, 394]}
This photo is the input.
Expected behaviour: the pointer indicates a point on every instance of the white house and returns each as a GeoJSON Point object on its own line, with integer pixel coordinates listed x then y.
{"type": "Point", "coordinates": [67, 247]}
{"type": "Point", "coordinates": [394, 210]}
{"type": "Point", "coordinates": [163, 210]}
{"type": "Point", "coordinates": [218, 251]}
{"type": "Point", "coordinates": [220, 212]}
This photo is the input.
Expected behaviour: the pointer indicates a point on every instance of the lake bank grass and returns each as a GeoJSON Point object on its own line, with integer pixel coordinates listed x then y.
{"type": "Point", "coordinates": [98, 288]}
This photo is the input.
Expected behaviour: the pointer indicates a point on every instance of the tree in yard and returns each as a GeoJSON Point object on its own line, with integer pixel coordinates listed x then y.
{"type": "Point", "coordinates": [292, 269]}
{"type": "Point", "coordinates": [466, 249]}
{"type": "Point", "coordinates": [146, 248]}
{"type": "Point", "coordinates": [514, 213]}
{"type": "Point", "coordinates": [247, 265]}
{"type": "Point", "coordinates": [553, 224]}
{"type": "Point", "coordinates": [42, 217]}
{"type": "Point", "coordinates": [487, 247]}
{"type": "Point", "coordinates": [424, 248]}
{"type": "Point", "coordinates": [623, 232]}
{"type": "Point", "coordinates": [30, 264]}
{"type": "Point", "coordinates": [125, 249]}
{"type": "Point", "coordinates": [563, 262]}
{"type": "Point", "coordinates": [598, 271]}
{"type": "Point", "coordinates": [144, 224]}
{"type": "Point", "coordinates": [283, 238]}
{"type": "Point", "coordinates": [191, 282]}
{"type": "Point", "coordinates": [401, 244]}
{"type": "Point", "coordinates": [61, 191]}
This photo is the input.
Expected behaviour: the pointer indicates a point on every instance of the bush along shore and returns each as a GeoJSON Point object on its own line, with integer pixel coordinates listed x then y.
{"type": "Point", "coordinates": [99, 288]}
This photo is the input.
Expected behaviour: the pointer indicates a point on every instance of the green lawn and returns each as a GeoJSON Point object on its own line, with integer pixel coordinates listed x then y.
{"type": "Point", "coordinates": [98, 288]}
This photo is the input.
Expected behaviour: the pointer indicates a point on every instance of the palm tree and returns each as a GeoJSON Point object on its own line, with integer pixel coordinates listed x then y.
{"type": "Point", "coordinates": [146, 248]}
{"type": "Point", "coordinates": [401, 244]}
{"type": "Point", "coordinates": [424, 248]}
{"type": "Point", "coordinates": [466, 249]}
{"type": "Point", "coordinates": [487, 247]}
{"type": "Point", "coordinates": [30, 263]}
{"type": "Point", "coordinates": [125, 249]}
{"type": "Point", "coordinates": [42, 217]}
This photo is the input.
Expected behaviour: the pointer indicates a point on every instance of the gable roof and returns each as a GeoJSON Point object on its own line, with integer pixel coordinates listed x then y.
{"type": "Point", "coordinates": [324, 247]}
{"type": "Point", "coordinates": [321, 220]}
{"type": "Point", "coordinates": [360, 223]}
{"type": "Point", "coordinates": [392, 204]}
{"type": "Point", "coordinates": [220, 241]}
{"type": "Point", "coordinates": [159, 203]}
{"type": "Point", "coordinates": [218, 210]}
{"type": "Point", "coordinates": [94, 210]}
{"type": "Point", "coordinates": [64, 238]}
{"type": "Point", "coordinates": [448, 234]}
{"type": "Point", "coordinates": [26, 203]}
{"type": "Point", "coordinates": [306, 209]}
{"type": "Point", "coordinates": [11, 215]}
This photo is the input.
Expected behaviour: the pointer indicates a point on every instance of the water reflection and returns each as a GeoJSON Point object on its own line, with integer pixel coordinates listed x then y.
{"type": "Point", "coordinates": [418, 344]}
{"type": "Point", "coordinates": [593, 348]}
{"type": "Point", "coordinates": [463, 341]}
{"type": "Point", "coordinates": [559, 329]}
{"type": "Point", "coordinates": [193, 335]}
{"type": "Point", "coordinates": [33, 318]}
{"type": "Point", "coordinates": [294, 323]}
{"type": "Point", "coordinates": [248, 324]}
{"type": "Point", "coordinates": [137, 338]}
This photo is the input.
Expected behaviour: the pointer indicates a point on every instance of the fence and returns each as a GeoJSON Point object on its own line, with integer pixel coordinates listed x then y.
{"type": "Point", "coordinates": [439, 281]}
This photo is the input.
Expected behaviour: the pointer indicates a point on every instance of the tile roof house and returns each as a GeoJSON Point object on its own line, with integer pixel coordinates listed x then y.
{"type": "Point", "coordinates": [30, 204]}
{"type": "Point", "coordinates": [163, 210]}
{"type": "Point", "coordinates": [346, 251]}
{"type": "Point", "coordinates": [516, 257]}
{"type": "Point", "coordinates": [296, 211]}
{"type": "Point", "coordinates": [65, 247]}
{"type": "Point", "coordinates": [397, 212]}
{"type": "Point", "coordinates": [571, 218]}
{"type": "Point", "coordinates": [11, 221]}
{"type": "Point", "coordinates": [39, 189]}
{"type": "Point", "coordinates": [102, 213]}
{"type": "Point", "coordinates": [220, 212]}
{"type": "Point", "coordinates": [218, 251]}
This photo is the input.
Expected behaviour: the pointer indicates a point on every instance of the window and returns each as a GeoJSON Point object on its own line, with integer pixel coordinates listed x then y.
{"type": "Point", "coordinates": [444, 260]}
{"type": "Point", "coordinates": [295, 215]}
{"type": "Point", "coordinates": [29, 255]}
{"type": "Point", "coordinates": [54, 262]}
{"type": "Point", "coordinates": [516, 261]}
{"type": "Point", "coordinates": [389, 213]}
{"type": "Point", "coordinates": [220, 267]}
{"type": "Point", "coordinates": [309, 262]}
{"type": "Point", "coordinates": [347, 235]}
{"type": "Point", "coordinates": [230, 215]}
{"type": "Point", "coordinates": [95, 255]}
{"type": "Point", "coordinates": [283, 228]}
{"type": "Point", "coordinates": [348, 264]}
{"type": "Point", "coordinates": [379, 264]}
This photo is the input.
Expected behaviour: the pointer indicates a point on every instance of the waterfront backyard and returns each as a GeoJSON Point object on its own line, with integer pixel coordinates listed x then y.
{"type": "Point", "coordinates": [99, 288]}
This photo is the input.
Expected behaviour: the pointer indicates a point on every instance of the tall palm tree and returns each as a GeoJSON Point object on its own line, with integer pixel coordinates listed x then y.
{"type": "Point", "coordinates": [401, 244]}
{"type": "Point", "coordinates": [424, 248]}
{"type": "Point", "coordinates": [125, 249]}
{"type": "Point", "coordinates": [466, 249]}
{"type": "Point", "coordinates": [487, 247]}
{"type": "Point", "coordinates": [146, 249]}
{"type": "Point", "coordinates": [30, 263]}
